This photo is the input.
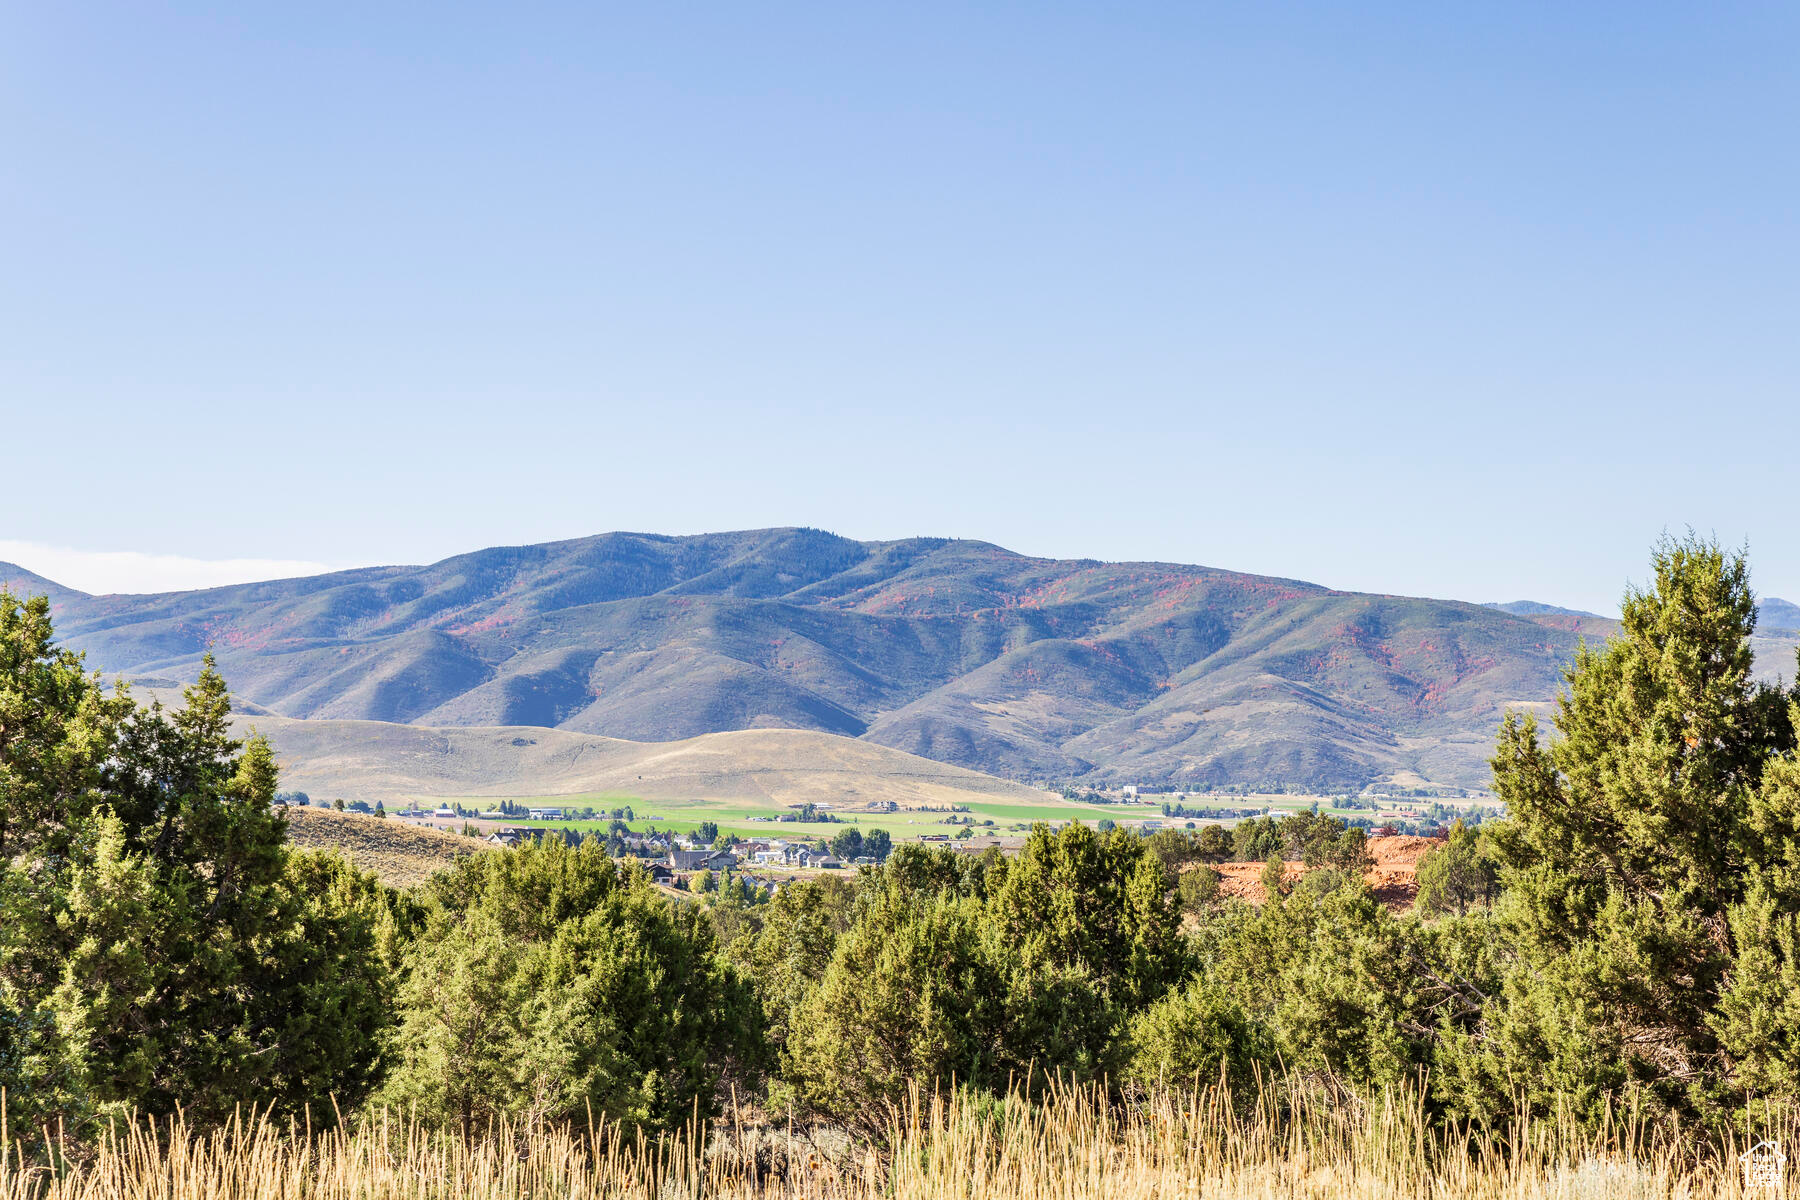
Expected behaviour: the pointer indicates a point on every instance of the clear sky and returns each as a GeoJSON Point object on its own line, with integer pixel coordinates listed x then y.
{"type": "Point", "coordinates": [1445, 299]}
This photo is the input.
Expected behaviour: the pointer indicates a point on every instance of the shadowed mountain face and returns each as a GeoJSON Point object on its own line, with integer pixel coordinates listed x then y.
{"type": "Point", "coordinates": [955, 650]}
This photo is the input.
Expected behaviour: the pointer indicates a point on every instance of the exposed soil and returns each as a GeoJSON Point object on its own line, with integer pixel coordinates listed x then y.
{"type": "Point", "coordinates": [1394, 877]}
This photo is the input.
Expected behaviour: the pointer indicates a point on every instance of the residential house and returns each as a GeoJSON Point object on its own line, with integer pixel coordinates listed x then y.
{"type": "Point", "coordinates": [702, 860]}
{"type": "Point", "coordinates": [683, 859]}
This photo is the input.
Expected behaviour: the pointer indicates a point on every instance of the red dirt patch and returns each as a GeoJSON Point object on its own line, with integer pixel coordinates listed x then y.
{"type": "Point", "coordinates": [1394, 878]}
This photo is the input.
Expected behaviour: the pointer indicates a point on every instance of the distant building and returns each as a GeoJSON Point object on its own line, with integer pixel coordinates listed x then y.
{"type": "Point", "coordinates": [1129, 791]}
{"type": "Point", "coordinates": [702, 860]}
{"type": "Point", "coordinates": [883, 806]}
{"type": "Point", "coordinates": [510, 836]}
{"type": "Point", "coordinates": [545, 814]}
{"type": "Point", "coordinates": [444, 811]}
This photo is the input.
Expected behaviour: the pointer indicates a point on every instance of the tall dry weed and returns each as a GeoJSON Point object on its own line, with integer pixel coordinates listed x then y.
{"type": "Point", "coordinates": [1292, 1141]}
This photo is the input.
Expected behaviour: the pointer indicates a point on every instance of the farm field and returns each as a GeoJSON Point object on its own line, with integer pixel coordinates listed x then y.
{"type": "Point", "coordinates": [740, 816]}
{"type": "Point", "coordinates": [751, 818]}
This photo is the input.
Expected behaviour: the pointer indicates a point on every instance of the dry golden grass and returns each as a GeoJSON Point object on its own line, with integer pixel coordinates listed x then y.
{"type": "Point", "coordinates": [372, 760]}
{"type": "Point", "coordinates": [401, 855]}
{"type": "Point", "coordinates": [1072, 1147]}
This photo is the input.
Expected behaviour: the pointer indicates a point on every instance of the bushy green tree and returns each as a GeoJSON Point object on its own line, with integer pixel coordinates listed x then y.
{"type": "Point", "coordinates": [1098, 901]}
{"type": "Point", "coordinates": [159, 946]}
{"type": "Point", "coordinates": [988, 969]}
{"type": "Point", "coordinates": [1255, 839]}
{"type": "Point", "coordinates": [1332, 979]}
{"type": "Point", "coordinates": [911, 995]}
{"type": "Point", "coordinates": [548, 981]}
{"type": "Point", "coordinates": [1212, 843]}
{"type": "Point", "coordinates": [790, 952]}
{"type": "Point", "coordinates": [1458, 874]}
{"type": "Point", "coordinates": [1198, 888]}
{"type": "Point", "coordinates": [1648, 904]}
{"type": "Point", "coordinates": [58, 727]}
{"type": "Point", "coordinates": [1274, 877]}
{"type": "Point", "coordinates": [1197, 1034]}
{"type": "Point", "coordinates": [919, 872]}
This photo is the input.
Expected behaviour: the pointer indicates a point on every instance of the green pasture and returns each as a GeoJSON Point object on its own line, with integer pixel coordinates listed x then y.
{"type": "Point", "coordinates": [734, 815]}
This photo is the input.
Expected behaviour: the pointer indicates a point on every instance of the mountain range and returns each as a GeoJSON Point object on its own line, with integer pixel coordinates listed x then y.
{"type": "Point", "coordinates": [958, 651]}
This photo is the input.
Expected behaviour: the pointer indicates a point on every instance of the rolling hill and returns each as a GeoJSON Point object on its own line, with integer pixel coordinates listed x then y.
{"type": "Point", "coordinates": [401, 855]}
{"type": "Point", "coordinates": [957, 651]}
{"type": "Point", "coordinates": [375, 760]}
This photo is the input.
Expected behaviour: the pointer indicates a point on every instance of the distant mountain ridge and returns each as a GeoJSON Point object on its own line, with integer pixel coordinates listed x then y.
{"type": "Point", "coordinates": [1777, 615]}
{"type": "Point", "coordinates": [1531, 608]}
{"type": "Point", "coordinates": [20, 582]}
{"type": "Point", "coordinates": [959, 651]}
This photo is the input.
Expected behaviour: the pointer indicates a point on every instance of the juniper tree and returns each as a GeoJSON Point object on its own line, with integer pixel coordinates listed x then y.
{"type": "Point", "coordinates": [1647, 919]}
{"type": "Point", "coordinates": [547, 982]}
{"type": "Point", "coordinates": [1458, 874]}
{"type": "Point", "coordinates": [158, 946]}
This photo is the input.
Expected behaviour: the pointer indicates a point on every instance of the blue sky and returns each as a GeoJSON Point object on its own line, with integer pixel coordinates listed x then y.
{"type": "Point", "coordinates": [1455, 300]}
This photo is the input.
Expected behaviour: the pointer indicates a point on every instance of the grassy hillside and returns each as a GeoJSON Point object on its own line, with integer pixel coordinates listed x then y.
{"type": "Point", "coordinates": [774, 768]}
{"type": "Point", "coordinates": [402, 855]}
{"type": "Point", "coordinates": [957, 651]}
